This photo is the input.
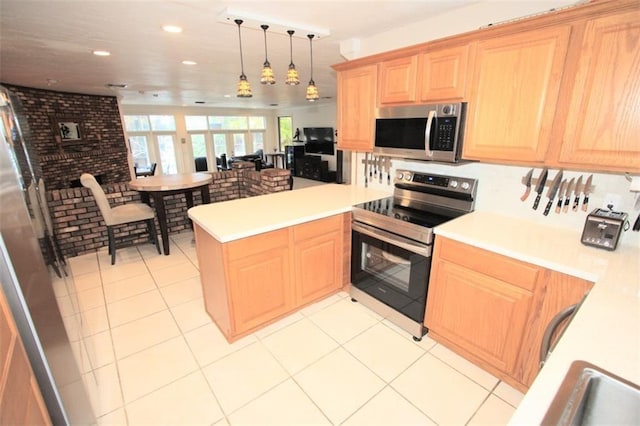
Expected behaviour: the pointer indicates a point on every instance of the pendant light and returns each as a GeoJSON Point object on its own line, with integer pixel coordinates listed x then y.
{"type": "Point", "coordinates": [292, 73]}
{"type": "Point", "coordinates": [266, 77]}
{"type": "Point", "coordinates": [244, 88]}
{"type": "Point", "coordinates": [312, 90]}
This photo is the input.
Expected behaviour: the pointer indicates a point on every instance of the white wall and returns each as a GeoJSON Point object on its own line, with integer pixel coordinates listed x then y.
{"type": "Point", "coordinates": [314, 115]}
{"type": "Point", "coordinates": [500, 186]}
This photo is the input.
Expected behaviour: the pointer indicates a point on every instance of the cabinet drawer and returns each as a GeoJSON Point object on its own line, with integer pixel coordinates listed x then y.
{"type": "Point", "coordinates": [488, 263]}
{"type": "Point", "coordinates": [317, 227]}
{"type": "Point", "coordinates": [258, 243]}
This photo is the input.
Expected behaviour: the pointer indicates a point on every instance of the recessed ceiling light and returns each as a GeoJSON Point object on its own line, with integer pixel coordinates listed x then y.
{"type": "Point", "coordinates": [101, 53]}
{"type": "Point", "coordinates": [172, 28]}
{"type": "Point", "coordinates": [51, 81]}
{"type": "Point", "coordinates": [189, 62]}
{"type": "Point", "coordinates": [227, 96]}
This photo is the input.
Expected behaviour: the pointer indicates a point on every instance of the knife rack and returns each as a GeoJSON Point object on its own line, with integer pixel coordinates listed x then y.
{"type": "Point", "coordinates": [549, 182]}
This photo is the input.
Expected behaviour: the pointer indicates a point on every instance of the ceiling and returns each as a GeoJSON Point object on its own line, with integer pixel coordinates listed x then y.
{"type": "Point", "coordinates": [48, 44]}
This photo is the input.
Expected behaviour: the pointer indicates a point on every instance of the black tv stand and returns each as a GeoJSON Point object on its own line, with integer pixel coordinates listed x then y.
{"type": "Point", "coordinates": [315, 168]}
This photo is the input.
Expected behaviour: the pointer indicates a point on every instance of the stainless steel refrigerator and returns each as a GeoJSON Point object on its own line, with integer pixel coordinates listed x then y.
{"type": "Point", "coordinates": [25, 276]}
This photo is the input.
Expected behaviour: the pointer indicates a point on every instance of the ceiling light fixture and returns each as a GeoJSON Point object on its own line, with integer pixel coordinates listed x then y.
{"type": "Point", "coordinates": [101, 53]}
{"type": "Point", "coordinates": [172, 28]}
{"type": "Point", "coordinates": [292, 73]}
{"type": "Point", "coordinates": [266, 76]}
{"type": "Point", "coordinates": [244, 88]}
{"type": "Point", "coordinates": [189, 63]}
{"type": "Point", "coordinates": [312, 90]}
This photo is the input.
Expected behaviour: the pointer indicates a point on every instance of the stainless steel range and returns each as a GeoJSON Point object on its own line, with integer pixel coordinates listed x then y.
{"type": "Point", "coordinates": [392, 241]}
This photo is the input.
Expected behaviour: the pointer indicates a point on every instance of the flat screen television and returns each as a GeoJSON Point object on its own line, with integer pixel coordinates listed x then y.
{"type": "Point", "coordinates": [319, 140]}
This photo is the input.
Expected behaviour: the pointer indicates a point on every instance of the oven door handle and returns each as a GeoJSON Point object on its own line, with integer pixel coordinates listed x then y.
{"type": "Point", "coordinates": [392, 239]}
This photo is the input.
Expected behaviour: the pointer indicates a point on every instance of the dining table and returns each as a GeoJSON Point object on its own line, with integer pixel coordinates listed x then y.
{"type": "Point", "coordinates": [160, 186]}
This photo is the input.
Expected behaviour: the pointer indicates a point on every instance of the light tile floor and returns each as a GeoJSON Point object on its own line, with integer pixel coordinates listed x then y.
{"type": "Point", "coordinates": [151, 355]}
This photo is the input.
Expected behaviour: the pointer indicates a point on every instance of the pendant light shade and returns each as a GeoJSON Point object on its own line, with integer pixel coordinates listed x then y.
{"type": "Point", "coordinates": [244, 88]}
{"type": "Point", "coordinates": [266, 76]}
{"type": "Point", "coordinates": [312, 90]}
{"type": "Point", "coordinates": [292, 73]}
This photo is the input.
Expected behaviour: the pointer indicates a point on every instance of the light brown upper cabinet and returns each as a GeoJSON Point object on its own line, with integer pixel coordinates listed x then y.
{"type": "Point", "coordinates": [397, 80]}
{"type": "Point", "coordinates": [513, 95]}
{"type": "Point", "coordinates": [602, 121]}
{"type": "Point", "coordinates": [356, 107]}
{"type": "Point", "coordinates": [442, 74]}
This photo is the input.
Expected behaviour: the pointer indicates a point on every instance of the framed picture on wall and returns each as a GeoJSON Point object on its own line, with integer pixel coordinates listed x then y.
{"type": "Point", "coordinates": [67, 130]}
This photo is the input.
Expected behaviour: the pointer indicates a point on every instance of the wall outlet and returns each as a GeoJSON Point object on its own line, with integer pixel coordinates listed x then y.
{"type": "Point", "coordinates": [612, 202]}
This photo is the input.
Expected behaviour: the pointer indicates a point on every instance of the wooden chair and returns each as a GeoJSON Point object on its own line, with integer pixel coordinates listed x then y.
{"type": "Point", "coordinates": [120, 215]}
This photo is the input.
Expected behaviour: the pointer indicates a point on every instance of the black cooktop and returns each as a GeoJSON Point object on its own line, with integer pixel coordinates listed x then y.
{"type": "Point", "coordinates": [390, 207]}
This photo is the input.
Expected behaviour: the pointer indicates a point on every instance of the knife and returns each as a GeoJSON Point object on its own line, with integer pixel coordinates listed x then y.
{"type": "Point", "coordinates": [540, 186]}
{"type": "Point", "coordinates": [563, 190]}
{"type": "Point", "coordinates": [587, 190]}
{"type": "Point", "coordinates": [380, 166]}
{"type": "Point", "coordinates": [576, 201]}
{"type": "Point", "coordinates": [388, 162]}
{"type": "Point", "coordinates": [527, 183]}
{"type": "Point", "coordinates": [553, 189]}
{"type": "Point", "coordinates": [567, 195]}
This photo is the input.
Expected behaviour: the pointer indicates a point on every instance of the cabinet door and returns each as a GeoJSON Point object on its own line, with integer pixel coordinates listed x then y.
{"type": "Point", "coordinates": [479, 313]}
{"type": "Point", "coordinates": [443, 74]}
{"type": "Point", "coordinates": [20, 398]}
{"type": "Point", "coordinates": [318, 259]}
{"type": "Point", "coordinates": [397, 80]}
{"type": "Point", "coordinates": [259, 279]}
{"type": "Point", "coordinates": [603, 121]}
{"type": "Point", "coordinates": [513, 97]}
{"type": "Point", "coordinates": [356, 108]}
{"type": "Point", "coordinates": [556, 292]}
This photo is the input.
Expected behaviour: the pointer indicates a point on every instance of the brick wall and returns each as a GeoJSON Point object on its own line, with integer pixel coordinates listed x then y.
{"type": "Point", "coordinates": [103, 149]}
{"type": "Point", "coordinates": [79, 227]}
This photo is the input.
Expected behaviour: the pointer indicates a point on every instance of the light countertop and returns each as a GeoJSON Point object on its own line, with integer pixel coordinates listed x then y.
{"type": "Point", "coordinates": [245, 217]}
{"type": "Point", "coordinates": [606, 329]}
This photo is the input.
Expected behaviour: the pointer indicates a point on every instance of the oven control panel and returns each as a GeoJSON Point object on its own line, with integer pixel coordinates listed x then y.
{"type": "Point", "coordinates": [450, 183]}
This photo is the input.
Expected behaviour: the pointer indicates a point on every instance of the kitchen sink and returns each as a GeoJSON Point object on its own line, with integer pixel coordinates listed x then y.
{"type": "Point", "coordinates": [590, 395]}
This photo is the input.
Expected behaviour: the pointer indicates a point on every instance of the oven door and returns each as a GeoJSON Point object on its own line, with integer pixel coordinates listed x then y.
{"type": "Point", "coordinates": [390, 268]}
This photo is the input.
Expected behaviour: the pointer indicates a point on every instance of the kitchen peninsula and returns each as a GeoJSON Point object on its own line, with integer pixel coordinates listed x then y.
{"type": "Point", "coordinates": [264, 257]}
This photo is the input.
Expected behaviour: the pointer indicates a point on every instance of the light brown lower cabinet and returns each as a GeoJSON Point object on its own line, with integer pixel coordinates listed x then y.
{"type": "Point", "coordinates": [494, 310]}
{"type": "Point", "coordinates": [21, 402]}
{"type": "Point", "coordinates": [251, 282]}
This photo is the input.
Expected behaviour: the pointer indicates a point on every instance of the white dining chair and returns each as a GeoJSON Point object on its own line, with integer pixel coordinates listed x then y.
{"type": "Point", "coordinates": [120, 215]}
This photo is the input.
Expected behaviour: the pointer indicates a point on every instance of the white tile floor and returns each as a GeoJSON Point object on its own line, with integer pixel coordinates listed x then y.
{"type": "Point", "coordinates": [151, 355]}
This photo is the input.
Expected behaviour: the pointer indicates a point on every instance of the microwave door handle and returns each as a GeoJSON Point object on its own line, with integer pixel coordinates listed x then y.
{"type": "Point", "coordinates": [427, 134]}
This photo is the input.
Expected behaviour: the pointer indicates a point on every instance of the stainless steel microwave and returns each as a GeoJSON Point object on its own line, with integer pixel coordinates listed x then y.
{"type": "Point", "coordinates": [422, 132]}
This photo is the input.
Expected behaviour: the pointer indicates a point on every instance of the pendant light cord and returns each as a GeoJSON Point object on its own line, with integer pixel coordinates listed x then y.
{"type": "Point", "coordinates": [265, 28]}
{"type": "Point", "coordinates": [290, 32]}
{"type": "Point", "coordinates": [311, 52]}
{"type": "Point", "coordinates": [239, 22]}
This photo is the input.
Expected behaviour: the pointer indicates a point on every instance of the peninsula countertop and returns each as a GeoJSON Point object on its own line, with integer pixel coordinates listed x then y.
{"type": "Point", "coordinates": [606, 329]}
{"type": "Point", "coordinates": [245, 217]}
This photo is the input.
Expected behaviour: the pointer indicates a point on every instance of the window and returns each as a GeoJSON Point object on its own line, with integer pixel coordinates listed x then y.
{"type": "Point", "coordinates": [285, 132]}
{"type": "Point", "coordinates": [163, 123]}
{"type": "Point", "coordinates": [152, 140]}
{"type": "Point", "coordinates": [232, 135]}
{"type": "Point", "coordinates": [139, 151]}
{"type": "Point", "coordinates": [238, 144]}
{"type": "Point", "coordinates": [167, 154]}
{"type": "Point", "coordinates": [199, 145]}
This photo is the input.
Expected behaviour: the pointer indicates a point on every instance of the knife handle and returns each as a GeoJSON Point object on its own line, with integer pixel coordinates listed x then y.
{"type": "Point", "coordinates": [559, 205]}
{"type": "Point", "coordinates": [585, 203]}
{"type": "Point", "coordinates": [548, 208]}
{"type": "Point", "coordinates": [526, 194]}
{"type": "Point", "coordinates": [566, 204]}
{"type": "Point", "coordinates": [536, 202]}
{"type": "Point", "coordinates": [576, 202]}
